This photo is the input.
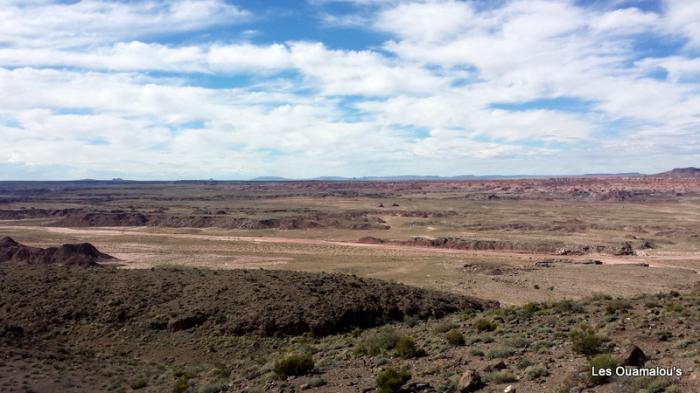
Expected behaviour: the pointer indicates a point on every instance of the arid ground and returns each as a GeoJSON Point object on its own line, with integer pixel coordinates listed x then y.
{"type": "Point", "coordinates": [174, 309]}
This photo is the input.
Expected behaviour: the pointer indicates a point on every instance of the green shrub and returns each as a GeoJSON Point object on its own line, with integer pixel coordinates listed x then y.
{"type": "Point", "coordinates": [391, 380]}
{"type": "Point", "coordinates": [181, 385]}
{"type": "Point", "coordinates": [377, 343]}
{"type": "Point", "coordinates": [532, 308]}
{"type": "Point", "coordinates": [356, 332]}
{"type": "Point", "coordinates": [182, 380]}
{"type": "Point", "coordinates": [502, 376]}
{"type": "Point", "coordinates": [503, 352]}
{"type": "Point", "coordinates": [294, 364]}
{"type": "Point", "coordinates": [673, 389]}
{"type": "Point", "coordinates": [567, 305]}
{"type": "Point", "coordinates": [617, 305]}
{"type": "Point", "coordinates": [486, 339]}
{"type": "Point", "coordinates": [654, 385]}
{"type": "Point", "coordinates": [448, 387]}
{"type": "Point", "coordinates": [605, 361]}
{"type": "Point", "coordinates": [485, 325]}
{"type": "Point", "coordinates": [406, 347]}
{"type": "Point", "coordinates": [663, 335]}
{"type": "Point", "coordinates": [536, 372]}
{"type": "Point", "coordinates": [444, 326]}
{"type": "Point", "coordinates": [455, 338]}
{"type": "Point", "coordinates": [584, 340]}
{"type": "Point", "coordinates": [519, 343]}
{"type": "Point", "coordinates": [675, 307]}
{"type": "Point", "coordinates": [611, 318]}
{"type": "Point", "coordinates": [467, 315]}
{"type": "Point", "coordinates": [523, 363]}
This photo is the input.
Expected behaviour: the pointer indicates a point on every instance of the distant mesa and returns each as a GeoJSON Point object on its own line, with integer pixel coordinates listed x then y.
{"type": "Point", "coordinates": [690, 171]}
{"type": "Point", "coordinates": [623, 174]}
{"type": "Point", "coordinates": [82, 254]}
{"type": "Point", "coordinates": [270, 178]}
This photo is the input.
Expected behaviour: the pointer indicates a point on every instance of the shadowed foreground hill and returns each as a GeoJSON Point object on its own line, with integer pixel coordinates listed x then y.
{"type": "Point", "coordinates": [77, 329]}
{"type": "Point", "coordinates": [72, 329]}
{"type": "Point", "coordinates": [234, 302]}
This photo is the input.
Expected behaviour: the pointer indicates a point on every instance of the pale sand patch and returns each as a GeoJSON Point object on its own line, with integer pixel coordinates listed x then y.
{"type": "Point", "coordinates": [653, 259]}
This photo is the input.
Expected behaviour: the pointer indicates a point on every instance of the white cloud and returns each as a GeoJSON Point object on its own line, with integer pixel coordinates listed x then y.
{"type": "Point", "coordinates": [80, 94]}
{"type": "Point", "coordinates": [56, 25]}
{"type": "Point", "coordinates": [678, 67]}
{"type": "Point", "coordinates": [683, 18]}
{"type": "Point", "coordinates": [626, 20]}
{"type": "Point", "coordinates": [429, 21]}
{"type": "Point", "coordinates": [248, 57]}
{"type": "Point", "coordinates": [361, 72]}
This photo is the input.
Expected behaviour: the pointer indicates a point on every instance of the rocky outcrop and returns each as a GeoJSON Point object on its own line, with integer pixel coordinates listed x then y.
{"type": "Point", "coordinates": [82, 254]}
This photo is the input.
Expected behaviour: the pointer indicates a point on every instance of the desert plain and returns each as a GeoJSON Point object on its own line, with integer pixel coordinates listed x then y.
{"type": "Point", "coordinates": [444, 285]}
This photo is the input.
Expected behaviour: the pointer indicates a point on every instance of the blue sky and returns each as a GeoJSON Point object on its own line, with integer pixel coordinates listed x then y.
{"type": "Point", "coordinates": [237, 89]}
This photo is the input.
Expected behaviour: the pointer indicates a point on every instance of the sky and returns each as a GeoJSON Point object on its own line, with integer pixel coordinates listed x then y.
{"type": "Point", "coordinates": [234, 89]}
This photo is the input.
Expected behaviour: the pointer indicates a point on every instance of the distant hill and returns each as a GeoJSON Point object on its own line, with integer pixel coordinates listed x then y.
{"type": "Point", "coordinates": [440, 178]}
{"type": "Point", "coordinates": [270, 178]}
{"type": "Point", "coordinates": [331, 178]}
{"type": "Point", "coordinates": [623, 174]}
{"type": "Point", "coordinates": [690, 171]}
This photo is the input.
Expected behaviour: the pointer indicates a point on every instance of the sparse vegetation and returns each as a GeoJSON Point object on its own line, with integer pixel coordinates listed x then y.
{"type": "Point", "coordinates": [406, 347]}
{"type": "Point", "coordinates": [391, 380]}
{"type": "Point", "coordinates": [443, 326]}
{"type": "Point", "coordinates": [378, 342]}
{"type": "Point", "coordinates": [567, 306]}
{"type": "Point", "coordinates": [602, 362]}
{"type": "Point", "coordinates": [502, 376]}
{"type": "Point", "coordinates": [181, 385]}
{"type": "Point", "coordinates": [654, 384]}
{"type": "Point", "coordinates": [455, 338]}
{"type": "Point", "coordinates": [485, 325]}
{"type": "Point", "coordinates": [617, 306]}
{"type": "Point", "coordinates": [586, 341]}
{"type": "Point", "coordinates": [232, 328]}
{"type": "Point", "coordinates": [663, 335]}
{"type": "Point", "coordinates": [536, 372]}
{"type": "Point", "coordinates": [294, 364]}
{"type": "Point", "coordinates": [502, 352]}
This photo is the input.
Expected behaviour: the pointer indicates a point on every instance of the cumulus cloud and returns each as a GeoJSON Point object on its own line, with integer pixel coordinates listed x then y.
{"type": "Point", "coordinates": [62, 24]}
{"type": "Point", "coordinates": [97, 89]}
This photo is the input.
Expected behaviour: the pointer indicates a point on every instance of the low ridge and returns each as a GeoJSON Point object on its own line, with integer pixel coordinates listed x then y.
{"type": "Point", "coordinates": [82, 254]}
